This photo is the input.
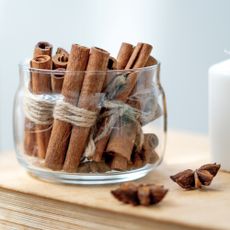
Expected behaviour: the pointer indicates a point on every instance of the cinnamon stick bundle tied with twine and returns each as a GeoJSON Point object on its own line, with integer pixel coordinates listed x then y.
{"type": "Point", "coordinates": [91, 88]}
{"type": "Point", "coordinates": [73, 79]}
{"type": "Point", "coordinates": [126, 139]}
{"type": "Point", "coordinates": [121, 141]}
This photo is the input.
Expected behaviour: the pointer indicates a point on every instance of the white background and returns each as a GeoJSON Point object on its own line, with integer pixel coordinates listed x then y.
{"type": "Point", "coordinates": [188, 36]}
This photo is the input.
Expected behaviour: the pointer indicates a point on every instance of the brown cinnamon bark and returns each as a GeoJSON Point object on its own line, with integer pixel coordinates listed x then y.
{"type": "Point", "coordinates": [112, 65]}
{"type": "Point", "coordinates": [146, 154]}
{"type": "Point", "coordinates": [43, 48]}
{"type": "Point", "coordinates": [145, 80]}
{"type": "Point", "coordinates": [137, 161]}
{"type": "Point", "coordinates": [57, 79]}
{"type": "Point", "coordinates": [30, 146]}
{"type": "Point", "coordinates": [60, 61]}
{"type": "Point", "coordinates": [138, 59]}
{"type": "Point", "coordinates": [123, 57]}
{"type": "Point", "coordinates": [62, 52]}
{"type": "Point", "coordinates": [124, 130]}
{"type": "Point", "coordinates": [72, 85]}
{"type": "Point", "coordinates": [119, 163]}
{"type": "Point", "coordinates": [41, 84]}
{"type": "Point", "coordinates": [145, 101]}
{"type": "Point", "coordinates": [151, 61]}
{"type": "Point", "coordinates": [149, 154]}
{"type": "Point", "coordinates": [92, 86]}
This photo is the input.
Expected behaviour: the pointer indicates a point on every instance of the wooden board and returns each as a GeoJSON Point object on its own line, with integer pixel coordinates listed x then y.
{"type": "Point", "coordinates": [206, 209]}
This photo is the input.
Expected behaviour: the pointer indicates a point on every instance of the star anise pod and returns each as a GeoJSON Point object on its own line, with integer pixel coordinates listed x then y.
{"type": "Point", "coordinates": [189, 179]}
{"type": "Point", "coordinates": [142, 194]}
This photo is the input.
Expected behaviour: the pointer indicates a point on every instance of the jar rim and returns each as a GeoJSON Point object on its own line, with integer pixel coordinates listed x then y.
{"type": "Point", "coordinates": [24, 66]}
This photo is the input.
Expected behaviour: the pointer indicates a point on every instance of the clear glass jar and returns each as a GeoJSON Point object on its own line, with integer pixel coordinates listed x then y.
{"type": "Point", "coordinates": [108, 139]}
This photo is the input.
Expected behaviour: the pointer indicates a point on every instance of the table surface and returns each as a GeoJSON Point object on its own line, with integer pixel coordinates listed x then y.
{"type": "Point", "coordinates": [205, 209]}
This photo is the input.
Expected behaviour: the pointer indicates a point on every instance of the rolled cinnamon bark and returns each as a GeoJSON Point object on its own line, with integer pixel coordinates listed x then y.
{"type": "Point", "coordinates": [30, 146]}
{"type": "Point", "coordinates": [148, 152]}
{"type": "Point", "coordinates": [112, 65]}
{"type": "Point", "coordinates": [137, 161]}
{"type": "Point", "coordinates": [60, 61]}
{"type": "Point", "coordinates": [125, 137]}
{"type": "Point", "coordinates": [57, 79]}
{"type": "Point", "coordinates": [151, 61]}
{"type": "Point", "coordinates": [145, 80]}
{"type": "Point", "coordinates": [72, 84]}
{"type": "Point", "coordinates": [43, 48]}
{"type": "Point", "coordinates": [41, 84]}
{"type": "Point", "coordinates": [123, 57]}
{"type": "Point", "coordinates": [41, 81]}
{"type": "Point", "coordinates": [62, 52]}
{"type": "Point", "coordinates": [142, 96]}
{"type": "Point", "coordinates": [138, 59]}
{"type": "Point", "coordinates": [119, 163]}
{"type": "Point", "coordinates": [92, 86]}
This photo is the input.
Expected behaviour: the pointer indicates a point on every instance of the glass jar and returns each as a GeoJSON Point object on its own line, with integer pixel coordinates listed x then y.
{"type": "Point", "coordinates": [98, 138]}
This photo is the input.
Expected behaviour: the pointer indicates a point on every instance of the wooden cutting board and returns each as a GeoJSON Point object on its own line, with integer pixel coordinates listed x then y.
{"type": "Point", "coordinates": [206, 209]}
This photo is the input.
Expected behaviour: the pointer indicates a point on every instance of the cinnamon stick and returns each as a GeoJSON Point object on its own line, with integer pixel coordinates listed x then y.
{"type": "Point", "coordinates": [123, 57]}
{"type": "Point", "coordinates": [92, 86]}
{"type": "Point", "coordinates": [72, 84]}
{"type": "Point", "coordinates": [151, 61]}
{"type": "Point", "coordinates": [138, 59]}
{"type": "Point", "coordinates": [112, 65]}
{"type": "Point", "coordinates": [146, 155]}
{"type": "Point", "coordinates": [148, 152]}
{"type": "Point", "coordinates": [119, 163]}
{"type": "Point", "coordinates": [30, 146]}
{"type": "Point", "coordinates": [145, 80]}
{"type": "Point", "coordinates": [60, 61]}
{"type": "Point", "coordinates": [124, 130]}
{"type": "Point", "coordinates": [137, 161]}
{"type": "Point", "coordinates": [43, 48]}
{"type": "Point", "coordinates": [62, 52]}
{"type": "Point", "coordinates": [41, 84]}
{"type": "Point", "coordinates": [143, 97]}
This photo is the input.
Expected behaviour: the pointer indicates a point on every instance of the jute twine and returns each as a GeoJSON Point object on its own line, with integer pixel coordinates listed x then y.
{"type": "Point", "coordinates": [38, 108]}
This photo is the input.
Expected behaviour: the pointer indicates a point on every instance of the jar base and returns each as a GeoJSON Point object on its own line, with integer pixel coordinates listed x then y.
{"type": "Point", "coordinates": [86, 178]}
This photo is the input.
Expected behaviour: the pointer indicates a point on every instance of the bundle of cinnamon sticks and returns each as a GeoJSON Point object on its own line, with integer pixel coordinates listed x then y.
{"type": "Point", "coordinates": [96, 121]}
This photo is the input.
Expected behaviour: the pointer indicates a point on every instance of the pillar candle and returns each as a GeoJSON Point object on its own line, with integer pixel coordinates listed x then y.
{"type": "Point", "coordinates": [219, 113]}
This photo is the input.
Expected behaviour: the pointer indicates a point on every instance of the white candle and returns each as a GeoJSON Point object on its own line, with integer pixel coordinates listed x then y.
{"type": "Point", "coordinates": [219, 113]}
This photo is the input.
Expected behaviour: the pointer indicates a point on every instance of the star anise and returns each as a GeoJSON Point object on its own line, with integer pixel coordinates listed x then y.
{"type": "Point", "coordinates": [142, 194]}
{"type": "Point", "coordinates": [189, 179]}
